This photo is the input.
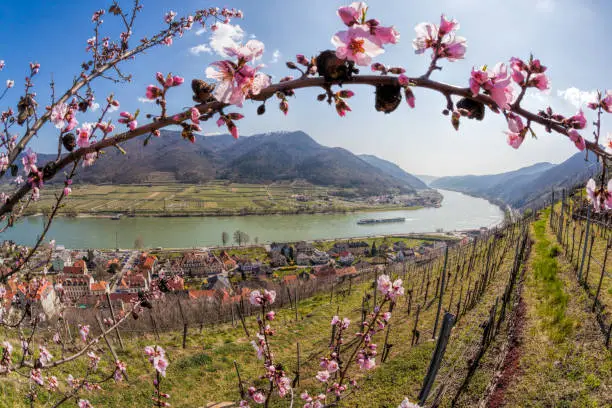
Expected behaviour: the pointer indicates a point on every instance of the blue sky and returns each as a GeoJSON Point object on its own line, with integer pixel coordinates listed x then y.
{"type": "Point", "coordinates": [571, 37]}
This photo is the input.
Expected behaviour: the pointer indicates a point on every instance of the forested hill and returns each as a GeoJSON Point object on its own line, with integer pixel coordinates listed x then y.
{"type": "Point", "coordinates": [527, 186]}
{"type": "Point", "coordinates": [263, 158]}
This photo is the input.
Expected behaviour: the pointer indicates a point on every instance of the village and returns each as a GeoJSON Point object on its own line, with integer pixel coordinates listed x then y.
{"type": "Point", "coordinates": [82, 279]}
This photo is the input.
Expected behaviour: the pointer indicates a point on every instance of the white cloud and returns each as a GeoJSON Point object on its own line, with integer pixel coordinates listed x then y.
{"type": "Point", "coordinates": [252, 36]}
{"type": "Point", "coordinates": [198, 49]}
{"type": "Point", "coordinates": [213, 134]}
{"type": "Point", "coordinates": [545, 5]}
{"type": "Point", "coordinates": [145, 100]}
{"type": "Point", "coordinates": [225, 36]}
{"type": "Point", "coordinates": [113, 108]}
{"type": "Point", "coordinates": [275, 56]}
{"type": "Point", "coordinates": [577, 97]}
{"type": "Point", "coordinates": [201, 31]}
{"type": "Point", "coordinates": [94, 107]}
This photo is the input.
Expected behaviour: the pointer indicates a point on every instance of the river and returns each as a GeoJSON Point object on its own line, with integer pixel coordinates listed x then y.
{"type": "Point", "coordinates": [458, 212]}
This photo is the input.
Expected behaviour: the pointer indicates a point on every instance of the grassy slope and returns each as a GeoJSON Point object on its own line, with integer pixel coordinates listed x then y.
{"type": "Point", "coordinates": [563, 362]}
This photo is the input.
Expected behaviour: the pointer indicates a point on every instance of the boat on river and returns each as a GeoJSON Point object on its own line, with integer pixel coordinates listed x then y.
{"type": "Point", "coordinates": [380, 220]}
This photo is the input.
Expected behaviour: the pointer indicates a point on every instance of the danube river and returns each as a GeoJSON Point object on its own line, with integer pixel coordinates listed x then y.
{"type": "Point", "coordinates": [458, 212]}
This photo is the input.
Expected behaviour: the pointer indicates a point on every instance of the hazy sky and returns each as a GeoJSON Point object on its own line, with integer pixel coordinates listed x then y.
{"type": "Point", "coordinates": [571, 37]}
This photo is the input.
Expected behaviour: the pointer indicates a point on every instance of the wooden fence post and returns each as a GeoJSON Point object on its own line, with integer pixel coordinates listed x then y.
{"type": "Point", "coordinates": [447, 324]}
{"type": "Point", "coordinates": [110, 346]}
{"type": "Point", "coordinates": [184, 323]}
{"type": "Point", "coordinates": [415, 332]}
{"type": "Point", "coordinates": [433, 335]}
{"type": "Point", "coordinates": [110, 306]}
{"type": "Point", "coordinates": [603, 272]}
{"type": "Point", "coordinates": [586, 240]}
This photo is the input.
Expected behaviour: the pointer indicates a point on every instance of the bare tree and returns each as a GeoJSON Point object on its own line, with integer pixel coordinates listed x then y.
{"type": "Point", "coordinates": [224, 238]}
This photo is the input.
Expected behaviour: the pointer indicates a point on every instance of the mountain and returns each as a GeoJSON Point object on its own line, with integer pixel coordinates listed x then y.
{"type": "Point", "coordinates": [394, 170]}
{"type": "Point", "coordinates": [264, 158]}
{"type": "Point", "coordinates": [525, 186]}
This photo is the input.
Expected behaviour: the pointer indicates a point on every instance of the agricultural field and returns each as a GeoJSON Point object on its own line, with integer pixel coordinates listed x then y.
{"type": "Point", "coordinates": [213, 198]}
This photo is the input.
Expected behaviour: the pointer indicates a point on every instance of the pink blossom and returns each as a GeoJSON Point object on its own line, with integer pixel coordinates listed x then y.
{"type": "Point", "coordinates": [235, 85]}
{"type": "Point", "coordinates": [89, 159]}
{"type": "Point", "coordinates": [52, 383]}
{"type": "Point", "coordinates": [195, 115]}
{"type": "Point", "coordinates": [132, 124]}
{"type": "Point", "coordinates": [93, 360]}
{"type": "Point", "coordinates": [56, 338]}
{"type": "Point", "coordinates": [177, 80]}
{"type": "Point", "coordinates": [407, 404]}
{"type": "Point", "coordinates": [259, 398]}
{"type": "Point", "coordinates": [410, 97]}
{"type": "Point", "coordinates": [29, 162]}
{"type": "Point", "coordinates": [2, 65]}
{"type": "Point", "coordinates": [453, 48]}
{"type": "Point", "coordinates": [514, 139]}
{"type": "Point", "coordinates": [353, 14]}
{"type": "Point", "coordinates": [270, 315]}
{"type": "Point", "coordinates": [446, 26]}
{"type": "Point", "coordinates": [85, 404]}
{"type": "Point", "coordinates": [515, 123]}
{"type": "Point", "coordinates": [606, 102]}
{"type": "Point", "coordinates": [250, 51]}
{"type": "Point", "coordinates": [540, 81]}
{"type": "Point", "coordinates": [157, 357]}
{"type": "Point", "coordinates": [386, 316]}
{"type": "Point", "coordinates": [58, 114]}
{"type": "Point", "coordinates": [169, 17]}
{"type": "Point", "coordinates": [45, 357]}
{"type": "Point", "coordinates": [403, 80]}
{"type": "Point", "coordinates": [427, 36]}
{"type": "Point", "coordinates": [153, 92]}
{"type": "Point", "coordinates": [478, 78]}
{"type": "Point", "coordinates": [608, 144]}
{"type": "Point", "coordinates": [167, 40]}
{"type": "Point", "coordinates": [84, 331]}
{"type": "Point", "coordinates": [284, 385]}
{"type": "Point", "coordinates": [578, 121]}
{"type": "Point", "coordinates": [384, 284]}
{"type": "Point", "coordinates": [10, 83]}
{"type": "Point", "coordinates": [356, 44]}
{"type": "Point", "coordinates": [335, 320]}
{"type": "Point", "coordinates": [577, 139]}
{"type": "Point", "coordinates": [36, 377]}
{"type": "Point", "coordinates": [332, 366]}
{"type": "Point", "coordinates": [323, 376]}
{"type": "Point", "coordinates": [366, 363]}
{"type": "Point", "coordinates": [83, 137]}
{"type": "Point", "coordinates": [385, 35]}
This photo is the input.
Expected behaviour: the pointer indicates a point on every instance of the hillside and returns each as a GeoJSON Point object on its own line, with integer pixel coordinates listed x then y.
{"type": "Point", "coordinates": [263, 158]}
{"type": "Point", "coordinates": [525, 186]}
{"type": "Point", "coordinates": [394, 170]}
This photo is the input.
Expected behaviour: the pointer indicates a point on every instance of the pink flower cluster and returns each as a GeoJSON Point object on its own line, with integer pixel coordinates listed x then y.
{"type": "Point", "coordinates": [238, 81]}
{"type": "Point", "coordinates": [258, 298]}
{"type": "Point", "coordinates": [391, 290]}
{"type": "Point", "coordinates": [157, 357]}
{"type": "Point", "coordinates": [318, 401]}
{"type": "Point", "coordinates": [496, 83]}
{"type": "Point", "coordinates": [364, 39]}
{"type": "Point", "coordinates": [63, 116]}
{"type": "Point", "coordinates": [517, 131]}
{"type": "Point", "coordinates": [169, 81]}
{"type": "Point", "coordinates": [84, 331]}
{"type": "Point", "coordinates": [441, 39]}
{"type": "Point", "coordinates": [601, 198]}
{"type": "Point", "coordinates": [407, 404]}
{"type": "Point", "coordinates": [605, 102]}
{"type": "Point", "coordinates": [529, 75]}
{"type": "Point", "coordinates": [128, 119]}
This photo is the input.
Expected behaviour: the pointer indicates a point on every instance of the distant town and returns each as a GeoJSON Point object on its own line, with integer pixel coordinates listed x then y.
{"type": "Point", "coordinates": [76, 278]}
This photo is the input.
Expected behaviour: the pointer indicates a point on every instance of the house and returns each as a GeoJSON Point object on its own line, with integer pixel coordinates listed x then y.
{"type": "Point", "coordinates": [304, 247]}
{"type": "Point", "coordinates": [277, 260]}
{"type": "Point", "coordinates": [41, 294]}
{"type": "Point", "coordinates": [218, 282]}
{"type": "Point", "coordinates": [98, 288]}
{"type": "Point", "coordinates": [319, 257]}
{"type": "Point", "coordinates": [399, 246]}
{"type": "Point", "coordinates": [358, 248]}
{"type": "Point", "coordinates": [302, 259]}
{"type": "Point", "coordinates": [346, 258]}
{"type": "Point", "coordinates": [57, 264]}
{"type": "Point", "coordinates": [175, 283]}
{"type": "Point", "coordinates": [79, 267]}
{"type": "Point", "coordinates": [133, 282]}
{"type": "Point", "coordinates": [148, 263]}
{"type": "Point", "coordinates": [74, 285]}
{"type": "Point", "coordinates": [197, 264]}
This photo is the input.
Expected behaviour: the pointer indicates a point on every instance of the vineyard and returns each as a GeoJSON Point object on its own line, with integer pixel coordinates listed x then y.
{"type": "Point", "coordinates": [447, 344]}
